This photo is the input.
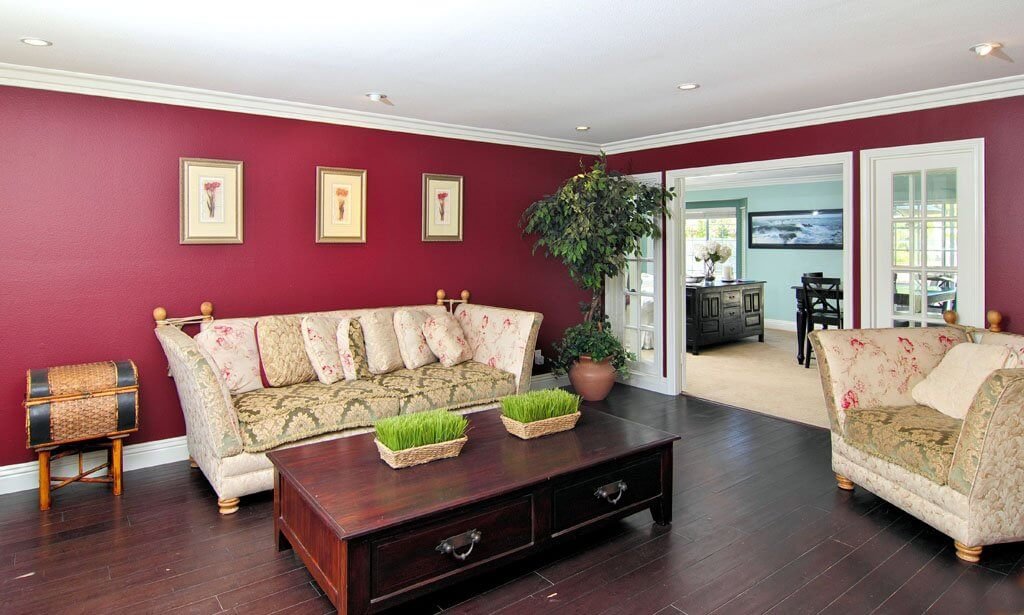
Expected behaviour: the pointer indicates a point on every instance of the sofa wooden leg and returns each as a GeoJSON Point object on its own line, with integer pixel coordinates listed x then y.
{"type": "Point", "coordinates": [968, 554]}
{"type": "Point", "coordinates": [228, 506]}
{"type": "Point", "coordinates": [844, 483]}
{"type": "Point", "coordinates": [192, 463]}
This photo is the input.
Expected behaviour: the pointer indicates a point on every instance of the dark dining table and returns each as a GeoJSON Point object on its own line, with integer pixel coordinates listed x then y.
{"type": "Point", "coordinates": [937, 296]}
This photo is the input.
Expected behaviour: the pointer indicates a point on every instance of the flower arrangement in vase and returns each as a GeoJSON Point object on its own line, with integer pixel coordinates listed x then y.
{"type": "Point", "coordinates": [712, 253]}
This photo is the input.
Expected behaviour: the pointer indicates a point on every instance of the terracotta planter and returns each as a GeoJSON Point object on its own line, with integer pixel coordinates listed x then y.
{"type": "Point", "coordinates": [593, 381]}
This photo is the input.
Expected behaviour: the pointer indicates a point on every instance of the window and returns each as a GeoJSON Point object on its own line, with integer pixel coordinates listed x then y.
{"type": "Point", "coordinates": [718, 223]}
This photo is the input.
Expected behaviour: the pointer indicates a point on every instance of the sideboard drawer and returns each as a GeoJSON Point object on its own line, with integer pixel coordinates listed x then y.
{"type": "Point", "coordinates": [420, 555]}
{"type": "Point", "coordinates": [603, 494]}
{"type": "Point", "coordinates": [731, 297]}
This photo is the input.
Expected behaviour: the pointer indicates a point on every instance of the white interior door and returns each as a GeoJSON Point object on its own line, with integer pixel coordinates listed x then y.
{"type": "Point", "coordinates": [634, 303]}
{"type": "Point", "coordinates": [926, 248]}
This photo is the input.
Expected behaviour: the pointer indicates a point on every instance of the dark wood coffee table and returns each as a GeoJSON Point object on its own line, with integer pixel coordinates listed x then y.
{"type": "Point", "coordinates": [374, 537]}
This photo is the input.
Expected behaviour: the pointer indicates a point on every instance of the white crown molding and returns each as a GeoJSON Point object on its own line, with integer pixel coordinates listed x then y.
{"type": "Point", "coordinates": [131, 89]}
{"type": "Point", "coordinates": [753, 183]}
{"type": "Point", "coordinates": [25, 476]}
{"type": "Point", "coordinates": [1004, 87]}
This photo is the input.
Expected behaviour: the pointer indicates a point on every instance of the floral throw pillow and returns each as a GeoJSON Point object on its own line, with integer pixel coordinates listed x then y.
{"type": "Point", "coordinates": [446, 340]}
{"type": "Point", "coordinates": [234, 355]}
{"type": "Point", "coordinates": [320, 336]}
{"type": "Point", "coordinates": [352, 349]}
{"type": "Point", "coordinates": [411, 343]}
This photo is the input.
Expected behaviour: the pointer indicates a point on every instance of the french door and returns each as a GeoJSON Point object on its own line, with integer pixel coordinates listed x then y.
{"type": "Point", "coordinates": [634, 303]}
{"type": "Point", "coordinates": [923, 223]}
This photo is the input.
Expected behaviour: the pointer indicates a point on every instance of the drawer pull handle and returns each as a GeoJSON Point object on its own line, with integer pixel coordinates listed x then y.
{"type": "Point", "coordinates": [449, 546]}
{"type": "Point", "coordinates": [607, 492]}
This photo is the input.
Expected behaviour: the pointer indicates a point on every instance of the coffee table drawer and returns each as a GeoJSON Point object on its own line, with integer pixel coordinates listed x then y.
{"type": "Point", "coordinates": [441, 549]}
{"type": "Point", "coordinates": [606, 493]}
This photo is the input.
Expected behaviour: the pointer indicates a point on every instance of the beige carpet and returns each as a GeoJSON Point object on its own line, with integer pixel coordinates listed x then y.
{"type": "Point", "coordinates": [761, 377]}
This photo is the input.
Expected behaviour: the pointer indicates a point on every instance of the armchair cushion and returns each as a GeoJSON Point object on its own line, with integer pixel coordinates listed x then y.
{"type": "Point", "coordinates": [917, 438]}
{"type": "Point", "coordinates": [871, 368]}
{"type": "Point", "coordinates": [952, 385]}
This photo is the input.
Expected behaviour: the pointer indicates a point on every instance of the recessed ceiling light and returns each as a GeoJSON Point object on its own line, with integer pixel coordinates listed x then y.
{"type": "Point", "coordinates": [380, 98]}
{"type": "Point", "coordinates": [583, 128]}
{"type": "Point", "coordinates": [36, 42]}
{"type": "Point", "coordinates": [983, 49]}
{"type": "Point", "coordinates": [688, 86]}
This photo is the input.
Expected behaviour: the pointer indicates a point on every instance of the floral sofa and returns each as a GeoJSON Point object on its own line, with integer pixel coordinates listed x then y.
{"type": "Point", "coordinates": [962, 477]}
{"type": "Point", "coordinates": [229, 434]}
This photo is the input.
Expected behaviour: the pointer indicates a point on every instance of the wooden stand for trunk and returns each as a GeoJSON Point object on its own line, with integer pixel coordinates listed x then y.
{"type": "Point", "coordinates": [50, 454]}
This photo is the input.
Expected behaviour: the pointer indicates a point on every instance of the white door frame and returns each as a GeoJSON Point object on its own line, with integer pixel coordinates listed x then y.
{"type": "Point", "coordinates": [973, 312]}
{"type": "Point", "coordinates": [675, 311]}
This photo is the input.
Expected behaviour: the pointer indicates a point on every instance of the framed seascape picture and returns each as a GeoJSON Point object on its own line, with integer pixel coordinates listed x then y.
{"type": "Point", "coordinates": [817, 229]}
{"type": "Point", "coordinates": [442, 207]}
{"type": "Point", "coordinates": [211, 201]}
{"type": "Point", "coordinates": [340, 205]}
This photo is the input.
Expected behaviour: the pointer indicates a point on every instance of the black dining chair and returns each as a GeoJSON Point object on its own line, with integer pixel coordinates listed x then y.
{"type": "Point", "coordinates": [823, 305]}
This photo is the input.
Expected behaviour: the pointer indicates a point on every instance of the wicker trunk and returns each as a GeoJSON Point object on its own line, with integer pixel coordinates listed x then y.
{"type": "Point", "coordinates": [74, 408]}
{"type": "Point", "coordinates": [73, 403]}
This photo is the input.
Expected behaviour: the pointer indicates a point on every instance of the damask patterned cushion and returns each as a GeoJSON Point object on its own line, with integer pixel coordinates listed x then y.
{"type": "Point", "coordinates": [271, 417]}
{"type": "Point", "coordinates": [352, 349]}
{"type": "Point", "coordinates": [233, 354]}
{"type": "Point", "coordinates": [436, 386]}
{"type": "Point", "coordinates": [446, 340]}
{"type": "Point", "coordinates": [916, 438]}
{"type": "Point", "coordinates": [411, 343]}
{"type": "Point", "coordinates": [282, 350]}
{"type": "Point", "coordinates": [320, 337]}
{"type": "Point", "coordinates": [382, 351]}
{"type": "Point", "coordinates": [951, 387]}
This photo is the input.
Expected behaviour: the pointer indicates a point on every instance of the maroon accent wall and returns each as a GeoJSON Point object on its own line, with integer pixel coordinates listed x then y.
{"type": "Point", "coordinates": [999, 122]}
{"type": "Point", "coordinates": [89, 233]}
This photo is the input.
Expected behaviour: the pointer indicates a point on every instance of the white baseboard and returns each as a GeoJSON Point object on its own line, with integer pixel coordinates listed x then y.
{"type": "Point", "coordinates": [782, 325]}
{"type": "Point", "coordinates": [24, 476]}
{"type": "Point", "coordinates": [548, 381]}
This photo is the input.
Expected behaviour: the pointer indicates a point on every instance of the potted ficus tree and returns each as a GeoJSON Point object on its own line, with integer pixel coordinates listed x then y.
{"type": "Point", "coordinates": [592, 223]}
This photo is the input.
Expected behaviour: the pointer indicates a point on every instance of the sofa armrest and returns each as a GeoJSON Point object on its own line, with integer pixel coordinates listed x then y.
{"type": "Point", "coordinates": [870, 368]}
{"type": "Point", "coordinates": [989, 455]}
{"type": "Point", "coordinates": [211, 423]}
{"type": "Point", "coordinates": [502, 338]}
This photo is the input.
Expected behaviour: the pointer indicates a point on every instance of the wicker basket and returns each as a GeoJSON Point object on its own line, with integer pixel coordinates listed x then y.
{"type": "Point", "coordinates": [420, 454]}
{"type": "Point", "coordinates": [542, 427]}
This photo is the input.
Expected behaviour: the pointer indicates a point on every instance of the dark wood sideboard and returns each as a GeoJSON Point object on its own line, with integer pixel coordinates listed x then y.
{"type": "Point", "coordinates": [721, 312]}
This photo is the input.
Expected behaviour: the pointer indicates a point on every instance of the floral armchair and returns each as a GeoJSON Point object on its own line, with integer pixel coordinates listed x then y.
{"type": "Point", "coordinates": [964, 478]}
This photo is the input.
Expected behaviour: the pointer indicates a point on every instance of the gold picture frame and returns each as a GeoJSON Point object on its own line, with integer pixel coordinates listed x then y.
{"type": "Point", "coordinates": [210, 201]}
{"type": "Point", "coordinates": [340, 205]}
{"type": "Point", "coordinates": [442, 207]}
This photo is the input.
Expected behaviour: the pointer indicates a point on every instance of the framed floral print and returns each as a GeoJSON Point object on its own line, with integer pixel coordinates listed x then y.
{"type": "Point", "coordinates": [340, 205]}
{"type": "Point", "coordinates": [442, 207]}
{"type": "Point", "coordinates": [211, 201]}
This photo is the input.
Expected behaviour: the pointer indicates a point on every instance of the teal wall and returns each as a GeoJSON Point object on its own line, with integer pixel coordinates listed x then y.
{"type": "Point", "coordinates": [781, 269]}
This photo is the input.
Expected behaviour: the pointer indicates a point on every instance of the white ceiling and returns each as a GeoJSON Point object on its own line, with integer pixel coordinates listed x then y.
{"type": "Point", "coordinates": [532, 66]}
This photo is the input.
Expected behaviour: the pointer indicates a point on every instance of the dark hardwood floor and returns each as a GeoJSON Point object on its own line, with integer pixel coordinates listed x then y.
{"type": "Point", "coordinates": [759, 527]}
